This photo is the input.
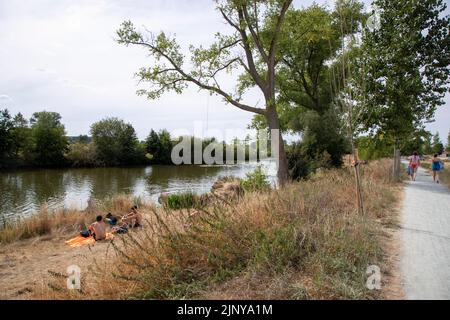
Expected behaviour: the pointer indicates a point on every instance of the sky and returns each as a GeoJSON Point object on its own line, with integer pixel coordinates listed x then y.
{"type": "Point", "coordinates": [61, 55]}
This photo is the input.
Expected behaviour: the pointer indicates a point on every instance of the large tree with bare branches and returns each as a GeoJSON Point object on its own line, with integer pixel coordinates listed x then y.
{"type": "Point", "coordinates": [251, 48]}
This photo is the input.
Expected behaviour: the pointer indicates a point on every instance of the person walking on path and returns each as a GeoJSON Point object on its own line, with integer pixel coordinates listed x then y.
{"type": "Point", "coordinates": [436, 167]}
{"type": "Point", "coordinates": [414, 163]}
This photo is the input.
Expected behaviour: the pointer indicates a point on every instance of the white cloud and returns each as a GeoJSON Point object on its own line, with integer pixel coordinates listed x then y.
{"type": "Point", "coordinates": [5, 97]}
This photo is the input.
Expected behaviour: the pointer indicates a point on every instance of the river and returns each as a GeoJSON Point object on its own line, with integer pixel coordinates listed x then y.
{"type": "Point", "coordinates": [23, 192]}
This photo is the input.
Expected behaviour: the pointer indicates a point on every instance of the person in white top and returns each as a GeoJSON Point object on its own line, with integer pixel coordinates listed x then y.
{"type": "Point", "coordinates": [414, 163]}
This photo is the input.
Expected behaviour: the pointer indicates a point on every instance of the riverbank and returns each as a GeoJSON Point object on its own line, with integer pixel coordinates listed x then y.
{"type": "Point", "coordinates": [24, 193]}
{"type": "Point", "coordinates": [304, 241]}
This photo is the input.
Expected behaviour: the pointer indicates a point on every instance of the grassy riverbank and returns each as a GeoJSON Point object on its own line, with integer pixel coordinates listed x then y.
{"type": "Point", "coordinates": [48, 222]}
{"type": "Point", "coordinates": [304, 241]}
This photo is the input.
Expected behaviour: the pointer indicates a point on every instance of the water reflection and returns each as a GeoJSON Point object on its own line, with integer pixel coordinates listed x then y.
{"type": "Point", "coordinates": [24, 192]}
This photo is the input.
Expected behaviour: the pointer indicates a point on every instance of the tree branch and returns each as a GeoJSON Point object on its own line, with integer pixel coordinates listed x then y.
{"type": "Point", "coordinates": [189, 78]}
{"type": "Point", "coordinates": [255, 34]}
{"type": "Point", "coordinates": [280, 20]}
{"type": "Point", "coordinates": [249, 55]}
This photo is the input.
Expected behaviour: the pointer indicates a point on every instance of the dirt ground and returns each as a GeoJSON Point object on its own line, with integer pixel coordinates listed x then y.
{"type": "Point", "coordinates": [29, 264]}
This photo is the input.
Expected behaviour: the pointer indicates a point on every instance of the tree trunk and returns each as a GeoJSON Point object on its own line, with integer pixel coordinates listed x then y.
{"type": "Point", "coordinates": [396, 167]}
{"type": "Point", "coordinates": [282, 165]}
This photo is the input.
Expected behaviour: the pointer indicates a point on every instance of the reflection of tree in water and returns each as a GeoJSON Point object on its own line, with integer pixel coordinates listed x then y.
{"type": "Point", "coordinates": [30, 189]}
{"type": "Point", "coordinates": [23, 192]}
{"type": "Point", "coordinates": [161, 177]}
{"type": "Point", "coordinates": [46, 185]}
{"type": "Point", "coordinates": [109, 181]}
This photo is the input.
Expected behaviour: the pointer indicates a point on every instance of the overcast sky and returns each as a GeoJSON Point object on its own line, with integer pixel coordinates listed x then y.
{"type": "Point", "coordinates": [61, 55]}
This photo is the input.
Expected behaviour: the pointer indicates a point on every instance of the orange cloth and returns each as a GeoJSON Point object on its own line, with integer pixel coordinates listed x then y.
{"type": "Point", "coordinates": [80, 241]}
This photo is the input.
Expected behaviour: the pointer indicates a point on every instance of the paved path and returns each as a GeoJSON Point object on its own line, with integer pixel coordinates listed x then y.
{"type": "Point", "coordinates": [425, 234]}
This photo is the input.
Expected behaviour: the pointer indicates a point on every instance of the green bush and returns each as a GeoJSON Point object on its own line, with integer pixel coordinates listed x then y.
{"type": "Point", "coordinates": [181, 201]}
{"type": "Point", "coordinates": [255, 181]}
{"type": "Point", "coordinates": [83, 155]}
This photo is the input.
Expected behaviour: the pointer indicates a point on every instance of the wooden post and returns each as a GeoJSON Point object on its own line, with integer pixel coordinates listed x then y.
{"type": "Point", "coordinates": [359, 196]}
{"type": "Point", "coordinates": [397, 159]}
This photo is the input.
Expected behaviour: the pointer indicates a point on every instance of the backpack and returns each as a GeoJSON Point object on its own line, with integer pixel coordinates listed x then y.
{"type": "Point", "coordinates": [122, 230]}
{"type": "Point", "coordinates": [85, 234]}
{"type": "Point", "coordinates": [409, 171]}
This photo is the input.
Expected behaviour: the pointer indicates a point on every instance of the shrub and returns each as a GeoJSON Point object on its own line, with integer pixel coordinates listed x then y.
{"type": "Point", "coordinates": [82, 155]}
{"type": "Point", "coordinates": [255, 181]}
{"type": "Point", "coordinates": [181, 201]}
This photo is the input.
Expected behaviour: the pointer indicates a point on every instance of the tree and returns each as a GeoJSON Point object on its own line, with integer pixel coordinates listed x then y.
{"type": "Point", "coordinates": [82, 155]}
{"type": "Point", "coordinates": [405, 68]}
{"type": "Point", "coordinates": [419, 141]}
{"type": "Point", "coordinates": [159, 146]}
{"type": "Point", "coordinates": [310, 43]}
{"type": "Point", "coordinates": [48, 138]}
{"type": "Point", "coordinates": [248, 44]}
{"type": "Point", "coordinates": [23, 143]}
{"type": "Point", "coordinates": [437, 145]}
{"type": "Point", "coordinates": [6, 138]}
{"type": "Point", "coordinates": [448, 142]}
{"type": "Point", "coordinates": [116, 142]}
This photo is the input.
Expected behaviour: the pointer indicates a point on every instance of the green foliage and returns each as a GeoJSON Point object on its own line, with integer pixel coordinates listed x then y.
{"type": "Point", "coordinates": [83, 155]}
{"type": "Point", "coordinates": [181, 201]}
{"type": "Point", "coordinates": [323, 144]}
{"type": "Point", "coordinates": [80, 139]}
{"type": "Point", "coordinates": [49, 139]}
{"type": "Point", "coordinates": [256, 181]}
{"type": "Point", "coordinates": [21, 133]}
{"type": "Point", "coordinates": [6, 138]}
{"type": "Point", "coordinates": [42, 144]}
{"type": "Point", "coordinates": [307, 83]}
{"type": "Point", "coordinates": [437, 146]}
{"type": "Point", "coordinates": [404, 78]}
{"type": "Point", "coordinates": [448, 142]}
{"type": "Point", "coordinates": [159, 147]}
{"type": "Point", "coordinates": [116, 142]}
{"type": "Point", "coordinates": [374, 148]}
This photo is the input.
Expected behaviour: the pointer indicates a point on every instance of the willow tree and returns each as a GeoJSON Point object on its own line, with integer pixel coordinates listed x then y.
{"type": "Point", "coordinates": [242, 49]}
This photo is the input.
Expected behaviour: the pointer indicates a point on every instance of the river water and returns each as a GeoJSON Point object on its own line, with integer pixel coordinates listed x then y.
{"type": "Point", "coordinates": [23, 192]}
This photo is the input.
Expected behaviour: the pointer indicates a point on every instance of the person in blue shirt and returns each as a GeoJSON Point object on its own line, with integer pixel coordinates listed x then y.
{"type": "Point", "coordinates": [112, 221]}
{"type": "Point", "coordinates": [436, 167]}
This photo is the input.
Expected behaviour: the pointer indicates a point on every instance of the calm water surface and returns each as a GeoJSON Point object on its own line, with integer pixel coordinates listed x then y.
{"type": "Point", "coordinates": [22, 193]}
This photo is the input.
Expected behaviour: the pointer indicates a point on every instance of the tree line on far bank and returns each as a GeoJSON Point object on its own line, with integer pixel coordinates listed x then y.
{"type": "Point", "coordinates": [41, 141]}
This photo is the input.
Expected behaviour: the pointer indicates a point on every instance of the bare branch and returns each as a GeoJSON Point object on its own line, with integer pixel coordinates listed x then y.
{"type": "Point", "coordinates": [230, 22]}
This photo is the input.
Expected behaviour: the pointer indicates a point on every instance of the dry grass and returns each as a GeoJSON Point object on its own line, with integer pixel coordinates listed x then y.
{"type": "Point", "coordinates": [46, 222]}
{"type": "Point", "coordinates": [304, 241]}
